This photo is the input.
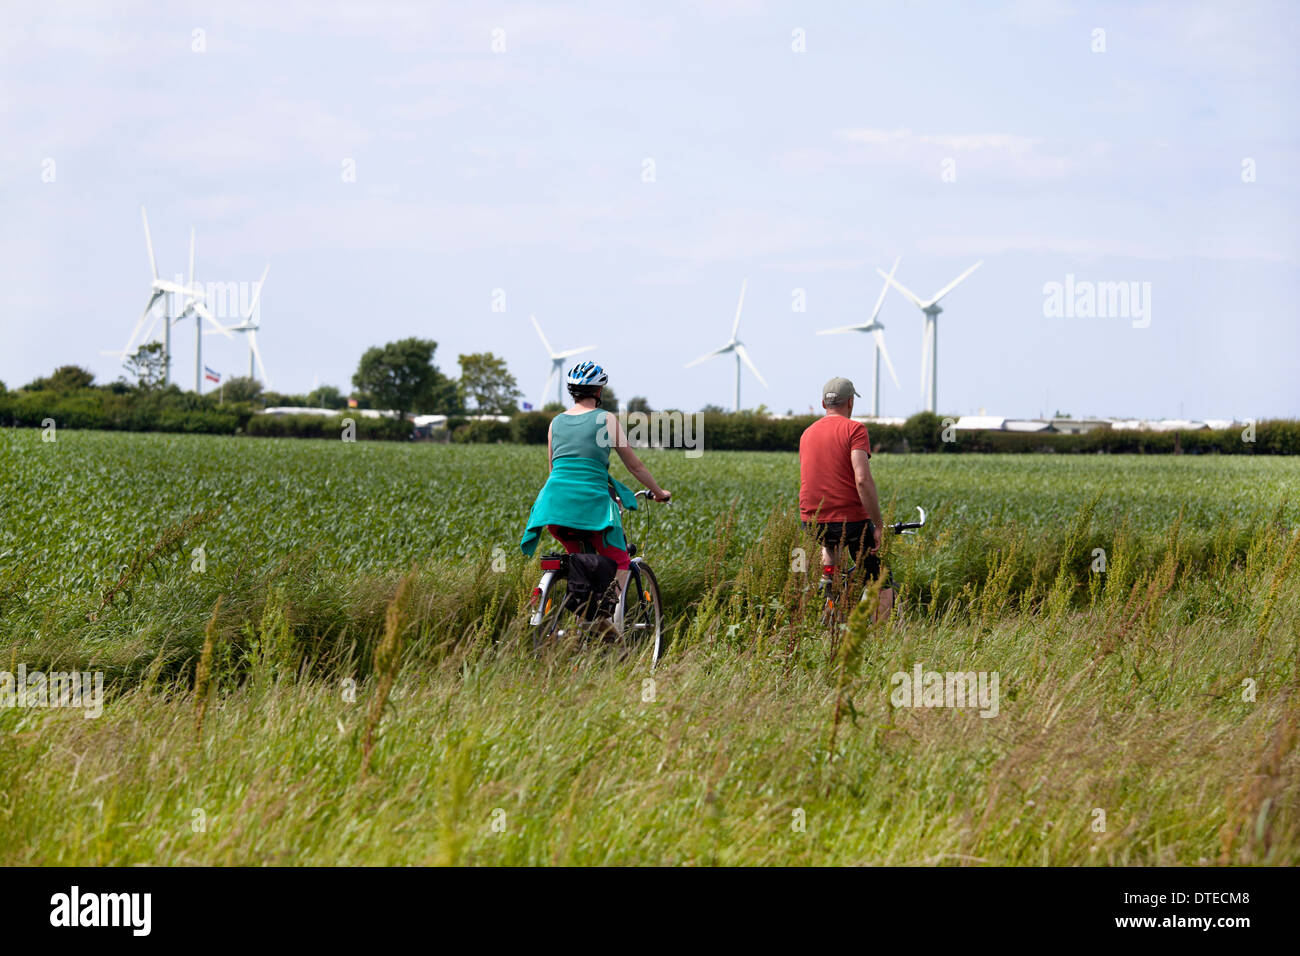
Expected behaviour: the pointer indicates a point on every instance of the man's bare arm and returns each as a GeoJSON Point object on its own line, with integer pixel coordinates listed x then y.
{"type": "Point", "coordinates": [867, 491]}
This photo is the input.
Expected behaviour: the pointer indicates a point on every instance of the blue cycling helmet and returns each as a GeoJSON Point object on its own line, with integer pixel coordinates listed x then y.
{"type": "Point", "coordinates": [586, 373]}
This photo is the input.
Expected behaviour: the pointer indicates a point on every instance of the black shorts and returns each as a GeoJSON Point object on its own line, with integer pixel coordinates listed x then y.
{"type": "Point", "coordinates": [857, 536]}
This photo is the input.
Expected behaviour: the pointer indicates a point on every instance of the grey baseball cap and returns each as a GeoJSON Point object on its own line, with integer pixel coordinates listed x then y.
{"type": "Point", "coordinates": [837, 391]}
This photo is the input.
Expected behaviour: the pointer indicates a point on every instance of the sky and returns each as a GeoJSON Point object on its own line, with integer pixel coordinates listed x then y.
{"type": "Point", "coordinates": [619, 169]}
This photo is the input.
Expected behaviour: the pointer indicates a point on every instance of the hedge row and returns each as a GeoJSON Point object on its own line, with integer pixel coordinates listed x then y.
{"type": "Point", "coordinates": [94, 408]}
{"type": "Point", "coordinates": [176, 411]}
{"type": "Point", "coordinates": [327, 426]}
{"type": "Point", "coordinates": [925, 433]}
{"type": "Point", "coordinates": [103, 409]}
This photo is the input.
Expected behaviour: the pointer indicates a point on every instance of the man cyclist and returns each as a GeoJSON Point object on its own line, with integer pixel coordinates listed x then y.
{"type": "Point", "coordinates": [576, 504]}
{"type": "Point", "coordinates": [837, 495]}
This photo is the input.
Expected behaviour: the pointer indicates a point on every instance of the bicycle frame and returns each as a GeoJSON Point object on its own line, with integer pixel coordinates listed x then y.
{"type": "Point", "coordinates": [841, 576]}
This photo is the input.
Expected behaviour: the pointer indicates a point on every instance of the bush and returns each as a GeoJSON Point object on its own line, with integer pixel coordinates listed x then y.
{"type": "Point", "coordinates": [923, 432]}
{"type": "Point", "coordinates": [484, 431]}
{"type": "Point", "coordinates": [530, 428]}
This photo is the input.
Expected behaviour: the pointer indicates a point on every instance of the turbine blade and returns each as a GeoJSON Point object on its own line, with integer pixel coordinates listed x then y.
{"type": "Point", "coordinates": [901, 288]}
{"type": "Point", "coordinates": [953, 284]}
{"type": "Point", "coordinates": [203, 313]}
{"type": "Point", "coordinates": [545, 343]}
{"type": "Point", "coordinates": [735, 326]}
{"type": "Point", "coordinates": [148, 241]}
{"type": "Point", "coordinates": [705, 358]}
{"type": "Point", "coordinates": [744, 357]}
{"type": "Point", "coordinates": [257, 294]}
{"type": "Point", "coordinates": [257, 354]}
{"type": "Point", "coordinates": [884, 289]}
{"type": "Point", "coordinates": [191, 280]}
{"type": "Point", "coordinates": [148, 333]}
{"type": "Point", "coordinates": [879, 336]}
{"type": "Point", "coordinates": [846, 328]}
{"type": "Point", "coordinates": [572, 352]}
{"type": "Point", "coordinates": [126, 349]}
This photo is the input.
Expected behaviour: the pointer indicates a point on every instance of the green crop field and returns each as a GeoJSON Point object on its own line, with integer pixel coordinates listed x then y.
{"type": "Point", "coordinates": [313, 653]}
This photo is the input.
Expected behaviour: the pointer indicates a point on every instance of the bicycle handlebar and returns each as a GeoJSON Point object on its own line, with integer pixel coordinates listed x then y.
{"type": "Point", "coordinates": [904, 527]}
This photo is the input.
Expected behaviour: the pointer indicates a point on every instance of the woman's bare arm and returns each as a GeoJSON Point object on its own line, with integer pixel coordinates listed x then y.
{"type": "Point", "coordinates": [633, 464]}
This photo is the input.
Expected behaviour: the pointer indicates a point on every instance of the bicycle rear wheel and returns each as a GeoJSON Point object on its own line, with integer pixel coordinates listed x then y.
{"type": "Point", "coordinates": [642, 611]}
{"type": "Point", "coordinates": [554, 620]}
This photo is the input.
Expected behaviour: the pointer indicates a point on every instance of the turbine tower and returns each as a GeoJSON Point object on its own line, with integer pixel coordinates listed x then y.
{"type": "Point", "coordinates": [557, 364]}
{"type": "Point", "coordinates": [252, 321]}
{"type": "Point", "coordinates": [194, 306]}
{"type": "Point", "coordinates": [877, 331]}
{"type": "Point", "coordinates": [736, 346]}
{"type": "Point", "coordinates": [930, 341]}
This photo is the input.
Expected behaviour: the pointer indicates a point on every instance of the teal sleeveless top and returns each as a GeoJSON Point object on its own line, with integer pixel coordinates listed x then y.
{"type": "Point", "coordinates": [581, 436]}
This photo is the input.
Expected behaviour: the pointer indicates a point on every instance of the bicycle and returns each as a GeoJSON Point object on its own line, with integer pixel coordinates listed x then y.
{"type": "Point", "coordinates": [833, 589]}
{"type": "Point", "coordinates": [637, 618]}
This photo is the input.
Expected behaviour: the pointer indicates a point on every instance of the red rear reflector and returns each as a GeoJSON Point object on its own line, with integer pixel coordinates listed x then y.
{"type": "Point", "coordinates": [550, 564]}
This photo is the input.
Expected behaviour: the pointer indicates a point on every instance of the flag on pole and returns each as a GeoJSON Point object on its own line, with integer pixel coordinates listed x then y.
{"type": "Point", "coordinates": [352, 402]}
{"type": "Point", "coordinates": [527, 407]}
{"type": "Point", "coordinates": [210, 375]}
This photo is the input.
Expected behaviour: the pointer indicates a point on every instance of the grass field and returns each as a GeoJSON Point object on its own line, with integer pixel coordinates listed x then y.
{"type": "Point", "coordinates": [313, 655]}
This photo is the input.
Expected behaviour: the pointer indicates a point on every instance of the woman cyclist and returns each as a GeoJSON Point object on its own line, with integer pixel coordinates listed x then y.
{"type": "Point", "coordinates": [576, 504]}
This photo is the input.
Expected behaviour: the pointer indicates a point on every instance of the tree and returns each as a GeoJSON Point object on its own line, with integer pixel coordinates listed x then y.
{"type": "Point", "coordinates": [243, 389]}
{"type": "Point", "coordinates": [639, 403]}
{"type": "Point", "coordinates": [284, 400]}
{"type": "Point", "coordinates": [401, 376]}
{"type": "Point", "coordinates": [148, 366]}
{"type": "Point", "coordinates": [486, 381]}
{"type": "Point", "coordinates": [608, 400]}
{"type": "Point", "coordinates": [64, 378]}
{"type": "Point", "coordinates": [327, 396]}
{"type": "Point", "coordinates": [713, 410]}
{"type": "Point", "coordinates": [922, 431]}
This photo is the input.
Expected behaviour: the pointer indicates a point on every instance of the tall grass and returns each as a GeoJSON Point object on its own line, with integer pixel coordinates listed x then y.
{"type": "Point", "coordinates": [1122, 701]}
{"type": "Point", "coordinates": [362, 690]}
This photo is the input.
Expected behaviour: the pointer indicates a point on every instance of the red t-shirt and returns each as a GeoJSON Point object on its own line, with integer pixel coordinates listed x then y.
{"type": "Point", "coordinates": [828, 490]}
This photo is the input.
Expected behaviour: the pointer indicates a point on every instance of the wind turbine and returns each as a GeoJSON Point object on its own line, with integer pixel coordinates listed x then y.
{"type": "Point", "coordinates": [158, 289]}
{"type": "Point", "coordinates": [252, 321]}
{"type": "Point", "coordinates": [195, 306]}
{"type": "Point", "coordinates": [877, 331]}
{"type": "Point", "coordinates": [557, 363]}
{"type": "Point", "coordinates": [930, 341]}
{"type": "Point", "coordinates": [736, 346]}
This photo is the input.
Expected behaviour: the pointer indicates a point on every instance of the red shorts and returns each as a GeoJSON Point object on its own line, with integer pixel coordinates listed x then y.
{"type": "Point", "coordinates": [575, 540]}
